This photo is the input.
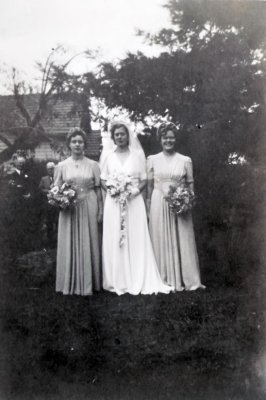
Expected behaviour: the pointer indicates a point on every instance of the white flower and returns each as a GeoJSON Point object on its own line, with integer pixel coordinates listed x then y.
{"type": "Point", "coordinates": [71, 193]}
{"type": "Point", "coordinates": [55, 190]}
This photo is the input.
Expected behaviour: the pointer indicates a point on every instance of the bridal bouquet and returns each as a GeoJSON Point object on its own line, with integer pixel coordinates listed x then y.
{"type": "Point", "coordinates": [63, 197]}
{"type": "Point", "coordinates": [181, 199]}
{"type": "Point", "coordinates": [120, 187]}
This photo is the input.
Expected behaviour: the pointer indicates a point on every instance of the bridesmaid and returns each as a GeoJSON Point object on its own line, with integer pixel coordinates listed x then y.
{"type": "Point", "coordinates": [78, 260]}
{"type": "Point", "coordinates": [172, 236]}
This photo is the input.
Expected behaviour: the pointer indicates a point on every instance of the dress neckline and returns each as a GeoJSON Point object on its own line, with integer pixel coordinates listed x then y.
{"type": "Point", "coordinates": [77, 163]}
{"type": "Point", "coordinates": [170, 157]}
{"type": "Point", "coordinates": [126, 159]}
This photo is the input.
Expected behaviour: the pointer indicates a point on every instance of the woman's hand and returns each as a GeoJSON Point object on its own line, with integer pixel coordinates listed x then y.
{"type": "Point", "coordinates": [134, 192]}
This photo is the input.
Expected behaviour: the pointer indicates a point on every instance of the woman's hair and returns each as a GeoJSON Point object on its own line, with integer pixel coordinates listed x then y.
{"type": "Point", "coordinates": [165, 127]}
{"type": "Point", "coordinates": [76, 131]}
{"type": "Point", "coordinates": [116, 126]}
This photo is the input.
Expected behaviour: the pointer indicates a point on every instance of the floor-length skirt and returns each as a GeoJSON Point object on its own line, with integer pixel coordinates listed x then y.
{"type": "Point", "coordinates": [130, 268]}
{"type": "Point", "coordinates": [174, 245]}
{"type": "Point", "coordinates": [78, 266]}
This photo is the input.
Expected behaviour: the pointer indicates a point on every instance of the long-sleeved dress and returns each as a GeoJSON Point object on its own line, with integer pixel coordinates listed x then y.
{"type": "Point", "coordinates": [172, 236]}
{"type": "Point", "coordinates": [78, 260]}
{"type": "Point", "coordinates": [130, 268]}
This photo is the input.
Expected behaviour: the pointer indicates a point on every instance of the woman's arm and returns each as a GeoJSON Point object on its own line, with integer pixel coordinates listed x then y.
{"type": "Point", "coordinates": [135, 191]}
{"type": "Point", "coordinates": [189, 174]}
{"type": "Point", "coordinates": [98, 190]}
{"type": "Point", "coordinates": [191, 186]}
{"type": "Point", "coordinates": [58, 178]}
{"type": "Point", "coordinates": [100, 203]}
{"type": "Point", "coordinates": [103, 184]}
{"type": "Point", "coordinates": [150, 187]}
{"type": "Point", "coordinates": [142, 184]}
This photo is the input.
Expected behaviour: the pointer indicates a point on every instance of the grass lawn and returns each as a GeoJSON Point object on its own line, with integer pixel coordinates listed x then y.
{"type": "Point", "coordinates": [192, 345]}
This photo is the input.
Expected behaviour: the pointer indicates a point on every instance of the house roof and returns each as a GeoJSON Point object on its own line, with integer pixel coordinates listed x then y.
{"type": "Point", "coordinates": [61, 115]}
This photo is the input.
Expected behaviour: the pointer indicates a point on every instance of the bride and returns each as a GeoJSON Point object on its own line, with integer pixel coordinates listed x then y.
{"type": "Point", "coordinates": [129, 264]}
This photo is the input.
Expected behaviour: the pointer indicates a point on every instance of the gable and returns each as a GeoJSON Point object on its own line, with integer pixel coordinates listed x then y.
{"type": "Point", "coordinates": [59, 117]}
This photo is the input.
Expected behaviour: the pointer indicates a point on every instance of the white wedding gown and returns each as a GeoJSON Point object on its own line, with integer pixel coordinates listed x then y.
{"type": "Point", "coordinates": [131, 268]}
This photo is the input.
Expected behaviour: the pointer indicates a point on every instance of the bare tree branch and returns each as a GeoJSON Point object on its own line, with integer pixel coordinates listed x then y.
{"type": "Point", "coordinates": [20, 105]}
{"type": "Point", "coordinates": [19, 100]}
{"type": "Point", "coordinates": [44, 79]}
{"type": "Point", "coordinates": [42, 107]}
{"type": "Point", "coordinates": [5, 141]}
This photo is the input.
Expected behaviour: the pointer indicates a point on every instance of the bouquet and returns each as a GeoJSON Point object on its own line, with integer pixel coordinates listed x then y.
{"type": "Point", "coordinates": [120, 187]}
{"type": "Point", "coordinates": [181, 199]}
{"type": "Point", "coordinates": [63, 197]}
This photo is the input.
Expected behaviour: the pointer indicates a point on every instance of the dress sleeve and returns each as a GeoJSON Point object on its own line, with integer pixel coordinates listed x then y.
{"type": "Point", "coordinates": [150, 171]}
{"type": "Point", "coordinates": [58, 176]}
{"type": "Point", "coordinates": [96, 174]}
{"type": "Point", "coordinates": [104, 169]}
{"type": "Point", "coordinates": [189, 171]}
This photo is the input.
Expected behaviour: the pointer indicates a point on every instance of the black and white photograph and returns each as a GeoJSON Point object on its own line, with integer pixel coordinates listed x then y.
{"type": "Point", "coordinates": [133, 200]}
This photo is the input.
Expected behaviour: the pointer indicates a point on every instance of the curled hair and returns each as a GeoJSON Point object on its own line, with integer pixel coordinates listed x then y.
{"type": "Point", "coordinates": [19, 154]}
{"type": "Point", "coordinates": [116, 126]}
{"type": "Point", "coordinates": [76, 131]}
{"type": "Point", "coordinates": [165, 127]}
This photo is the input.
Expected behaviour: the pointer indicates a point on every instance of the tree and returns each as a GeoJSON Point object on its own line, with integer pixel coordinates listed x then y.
{"type": "Point", "coordinates": [209, 77]}
{"type": "Point", "coordinates": [56, 83]}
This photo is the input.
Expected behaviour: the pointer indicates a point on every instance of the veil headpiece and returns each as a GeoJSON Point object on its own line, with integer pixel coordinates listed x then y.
{"type": "Point", "coordinates": [109, 146]}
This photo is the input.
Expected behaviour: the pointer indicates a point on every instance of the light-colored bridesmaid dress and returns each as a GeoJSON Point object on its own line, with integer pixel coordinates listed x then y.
{"type": "Point", "coordinates": [172, 236]}
{"type": "Point", "coordinates": [78, 259]}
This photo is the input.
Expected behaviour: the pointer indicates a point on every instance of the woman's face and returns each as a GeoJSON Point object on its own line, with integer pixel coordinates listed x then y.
{"type": "Point", "coordinates": [77, 145]}
{"type": "Point", "coordinates": [121, 137]}
{"type": "Point", "coordinates": [168, 141]}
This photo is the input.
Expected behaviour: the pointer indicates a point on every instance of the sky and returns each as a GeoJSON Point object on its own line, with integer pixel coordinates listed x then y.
{"type": "Point", "coordinates": [29, 29]}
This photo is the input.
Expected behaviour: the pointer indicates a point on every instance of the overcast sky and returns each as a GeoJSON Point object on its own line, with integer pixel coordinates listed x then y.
{"type": "Point", "coordinates": [29, 29]}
